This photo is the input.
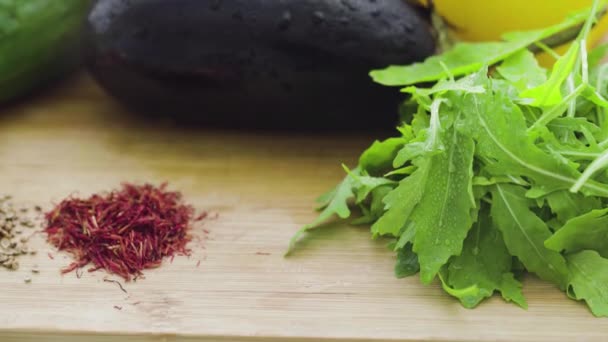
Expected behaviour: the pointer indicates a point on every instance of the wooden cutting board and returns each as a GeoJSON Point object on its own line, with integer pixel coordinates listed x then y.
{"type": "Point", "coordinates": [339, 286]}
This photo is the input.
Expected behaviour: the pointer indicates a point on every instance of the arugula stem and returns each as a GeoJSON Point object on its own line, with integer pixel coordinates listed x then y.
{"type": "Point", "coordinates": [584, 62]}
{"type": "Point", "coordinates": [599, 88]}
{"type": "Point", "coordinates": [571, 89]}
{"type": "Point", "coordinates": [589, 136]}
{"type": "Point", "coordinates": [556, 111]}
{"type": "Point", "coordinates": [596, 165]}
{"type": "Point", "coordinates": [435, 124]}
{"type": "Point", "coordinates": [591, 155]}
{"type": "Point", "coordinates": [603, 144]}
{"type": "Point", "coordinates": [548, 50]}
{"type": "Point", "coordinates": [447, 71]}
{"type": "Point", "coordinates": [590, 21]}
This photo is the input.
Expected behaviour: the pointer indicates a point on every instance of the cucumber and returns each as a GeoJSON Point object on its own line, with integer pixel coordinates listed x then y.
{"type": "Point", "coordinates": [39, 42]}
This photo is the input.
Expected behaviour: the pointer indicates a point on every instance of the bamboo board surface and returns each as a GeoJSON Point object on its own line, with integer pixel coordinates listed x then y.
{"type": "Point", "coordinates": [338, 287]}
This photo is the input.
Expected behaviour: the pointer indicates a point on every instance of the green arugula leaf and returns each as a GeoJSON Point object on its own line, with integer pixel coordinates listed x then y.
{"type": "Point", "coordinates": [334, 203]}
{"type": "Point", "coordinates": [407, 262]}
{"type": "Point", "coordinates": [525, 233]}
{"type": "Point", "coordinates": [593, 95]}
{"type": "Point", "coordinates": [522, 70]}
{"type": "Point", "coordinates": [587, 231]}
{"type": "Point", "coordinates": [375, 210]}
{"type": "Point", "coordinates": [555, 111]}
{"type": "Point", "coordinates": [420, 120]}
{"type": "Point", "coordinates": [549, 93]}
{"type": "Point", "coordinates": [467, 295]}
{"type": "Point", "coordinates": [401, 202]}
{"type": "Point", "coordinates": [597, 71]}
{"type": "Point", "coordinates": [597, 55]}
{"type": "Point", "coordinates": [465, 84]}
{"type": "Point", "coordinates": [499, 128]}
{"type": "Point", "coordinates": [427, 143]}
{"type": "Point", "coordinates": [589, 281]}
{"type": "Point", "coordinates": [511, 290]}
{"type": "Point", "coordinates": [442, 217]}
{"type": "Point", "coordinates": [566, 130]}
{"type": "Point", "coordinates": [378, 158]}
{"type": "Point", "coordinates": [567, 205]}
{"type": "Point", "coordinates": [364, 185]}
{"type": "Point", "coordinates": [486, 263]}
{"type": "Point", "coordinates": [324, 200]}
{"type": "Point", "coordinates": [466, 58]}
{"type": "Point", "coordinates": [407, 235]}
{"type": "Point", "coordinates": [377, 205]}
{"type": "Point", "coordinates": [462, 59]}
{"type": "Point", "coordinates": [404, 171]}
{"type": "Point", "coordinates": [413, 150]}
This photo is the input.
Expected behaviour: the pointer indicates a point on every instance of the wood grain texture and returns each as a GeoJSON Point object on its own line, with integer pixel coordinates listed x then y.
{"type": "Point", "coordinates": [339, 285]}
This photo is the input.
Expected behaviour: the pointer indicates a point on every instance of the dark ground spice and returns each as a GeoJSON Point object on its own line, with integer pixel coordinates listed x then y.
{"type": "Point", "coordinates": [124, 231]}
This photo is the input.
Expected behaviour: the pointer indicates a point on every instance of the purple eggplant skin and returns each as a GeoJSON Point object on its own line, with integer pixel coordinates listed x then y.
{"type": "Point", "coordinates": [256, 63]}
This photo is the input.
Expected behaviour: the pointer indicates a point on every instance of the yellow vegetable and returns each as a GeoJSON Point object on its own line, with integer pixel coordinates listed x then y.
{"type": "Point", "coordinates": [483, 20]}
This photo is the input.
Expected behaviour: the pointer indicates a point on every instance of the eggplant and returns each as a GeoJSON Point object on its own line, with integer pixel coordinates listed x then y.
{"type": "Point", "coordinates": [256, 63]}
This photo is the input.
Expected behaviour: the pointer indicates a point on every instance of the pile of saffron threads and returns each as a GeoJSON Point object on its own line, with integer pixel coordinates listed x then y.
{"type": "Point", "coordinates": [124, 231]}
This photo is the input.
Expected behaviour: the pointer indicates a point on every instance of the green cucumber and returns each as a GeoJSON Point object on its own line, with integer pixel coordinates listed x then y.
{"type": "Point", "coordinates": [39, 42]}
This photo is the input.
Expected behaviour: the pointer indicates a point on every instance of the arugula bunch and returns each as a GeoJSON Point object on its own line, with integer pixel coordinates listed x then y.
{"type": "Point", "coordinates": [499, 169]}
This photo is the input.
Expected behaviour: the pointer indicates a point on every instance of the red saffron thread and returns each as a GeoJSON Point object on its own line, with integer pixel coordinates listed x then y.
{"type": "Point", "coordinates": [124, 231]}
{"type": "Point", "coordinates": [117, 283]}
